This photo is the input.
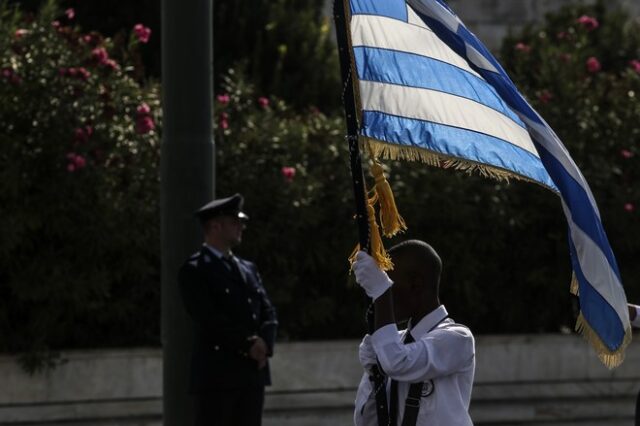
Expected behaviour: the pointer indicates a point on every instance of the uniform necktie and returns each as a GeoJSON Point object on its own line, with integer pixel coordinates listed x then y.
{"type": "Point", "coordinates": [393, 406]}
{"type": "Point", "coordinates": [233, 266]}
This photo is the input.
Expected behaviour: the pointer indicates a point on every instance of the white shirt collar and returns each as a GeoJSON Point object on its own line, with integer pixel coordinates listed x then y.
{"type": "Point", "coordinates": [215, 251]}
{"type": "Point", "coordinates": [428, 322]}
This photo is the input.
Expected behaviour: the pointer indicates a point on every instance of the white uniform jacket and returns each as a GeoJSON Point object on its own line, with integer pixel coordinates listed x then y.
{"type": "Point", "coordinates": [442, 357]}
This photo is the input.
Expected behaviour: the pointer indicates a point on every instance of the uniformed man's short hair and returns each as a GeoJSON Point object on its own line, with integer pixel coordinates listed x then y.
{"type": "Point", "coordinates": [420, 258]}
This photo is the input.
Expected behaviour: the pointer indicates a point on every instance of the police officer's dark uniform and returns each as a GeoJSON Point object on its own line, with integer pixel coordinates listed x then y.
{"type": "Point", "coordinates": [229, 305]}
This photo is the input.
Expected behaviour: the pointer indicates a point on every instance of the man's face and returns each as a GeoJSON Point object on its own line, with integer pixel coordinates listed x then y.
{"type": "Point", "coordinates": [229, 229]}
{"type": "Point", "coordinates": [403, 299]}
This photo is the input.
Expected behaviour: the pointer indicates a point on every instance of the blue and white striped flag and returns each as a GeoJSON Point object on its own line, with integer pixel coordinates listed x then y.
{"type": "Point", "coordinates": [428, 89]}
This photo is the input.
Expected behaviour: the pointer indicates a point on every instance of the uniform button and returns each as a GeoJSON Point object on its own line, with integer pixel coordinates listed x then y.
{"type": "Point", "coordinates": [216, 347]}
{"type": "Point", "coordinates": [249, 300]}
{"type": "Point", "coordinates": [226, 290]}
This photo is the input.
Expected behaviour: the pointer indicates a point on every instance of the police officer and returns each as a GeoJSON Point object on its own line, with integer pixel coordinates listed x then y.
{"type": "Point", "coordinates": [235, 323]}
{"type": "Point", "coordinates": [430, 366]}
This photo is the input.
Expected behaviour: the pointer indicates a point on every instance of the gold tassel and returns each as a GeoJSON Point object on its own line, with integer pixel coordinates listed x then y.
{"type": "Point", "coordinates": [574, 287]}
{"type": "Point", "coordinates": [378, 251]}
{"type": "Point", "coordinates": [390, 219]}
{"type": "Point", "coordinates": [611, 359]}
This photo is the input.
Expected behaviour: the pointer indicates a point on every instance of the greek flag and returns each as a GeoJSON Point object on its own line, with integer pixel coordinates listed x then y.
{"type": "Point", "coordinates": [429, 90]}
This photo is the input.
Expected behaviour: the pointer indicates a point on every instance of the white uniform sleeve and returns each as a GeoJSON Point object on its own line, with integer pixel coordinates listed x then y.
{"type": "Point", "coordinates": [442, 352]}
{"type": "Point", "coordinates": [366, 354]}
{"type": "Point", "coordinates": [365, 410]}
{"type": "Point", "coordinates": [636, 322]}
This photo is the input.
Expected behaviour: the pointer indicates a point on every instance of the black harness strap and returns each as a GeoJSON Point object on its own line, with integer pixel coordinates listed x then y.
{"type": "Point", "coordinates": [412, 403]}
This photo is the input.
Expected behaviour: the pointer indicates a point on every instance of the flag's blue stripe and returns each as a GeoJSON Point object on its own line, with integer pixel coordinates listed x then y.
{"type": "Point", "coordinates": [396, 9]}
{"type": "Point", "coordinates": [408, 69]}
{"type": "Point", "coordinates": [500, 81]}
{"type": "Point", "coordinates": [583, 215]}
{"type": "Point", "coordinates": [602, 318]}
{"type": "Point", "coordinates": [454, 141]}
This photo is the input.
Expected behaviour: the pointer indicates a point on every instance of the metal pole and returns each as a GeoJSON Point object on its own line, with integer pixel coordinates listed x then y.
{"type": "Point", "coordinates": [348, 97]}
{"type": "Point", "coordinates": [187, 179]}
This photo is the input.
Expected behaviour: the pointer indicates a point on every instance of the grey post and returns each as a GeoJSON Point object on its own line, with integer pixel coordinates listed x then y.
{"type": "Point", "coordinates": [187, 178]}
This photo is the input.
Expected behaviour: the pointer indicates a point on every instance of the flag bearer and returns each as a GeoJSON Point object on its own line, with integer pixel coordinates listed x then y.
{"type": "Point", "coordinates": [430, 365]}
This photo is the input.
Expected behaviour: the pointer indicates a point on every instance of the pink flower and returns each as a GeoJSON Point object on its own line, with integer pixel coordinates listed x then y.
{"type": "Point", "coordinates": [142, 33]}
{"type": "Point", "coordinates": [521, 47]}
{"type": "Point", "coordinates": [70, 13]}
{"type": "Point", "coordinates": [629, 207]}
{"type": "Point", "coordinates": [566, 57]}
{"type": "Point", "coordinates": [80, 161]}
{"type": "Point", "coordinates": [223, 99]}
{"type": "Point", "coordinates": [288, 173]}
{"type": "Point", "coordinates": [561, 35]}
{"type": "Point", "coordinates": [263, 102]}
{"type": "Point", "coordinates": [55, 24]}
{"type": "Point", "coordinates": [10, 74]}
{"type": "Point", "coordinates": [75, 162]}
{"type": "Point", "coordinates": [143, 109]}
{"type": "Point", "coordinates": [83, 73]}
{"type": "Point", "coordinates": [593, 65]}
{"type": "Point", "coordinates": [144, 125]}
{"type": "Point", "coordinates": [100, 55]}
{"type": "Point", "coordinates": [545, 96]}
{"type": "Point", "coordinates": [635, 64]}
{"type": "Point", "coordinates": [626, 154]}
{"type": "Point", "coordinates": [20, 33]}
{"type": "Point", "coordinates": [80, 135]}
{"type": "Point", "coordinates": [111, 64]}
{"type": "Point", "coordinates": [588, 22]}
{"type": "Point", "coordinates": [92, 39]}
{"type": "Point", "coordinates": [224, 121]}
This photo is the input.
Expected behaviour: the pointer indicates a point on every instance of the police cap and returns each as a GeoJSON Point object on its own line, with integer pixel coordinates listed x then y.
{"type": "Point", "coordinates": [230, 206]}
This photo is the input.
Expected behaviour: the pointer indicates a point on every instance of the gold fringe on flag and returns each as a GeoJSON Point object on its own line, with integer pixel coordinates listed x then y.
{"type": "Point", "coordinates": [611, 359]}
{"type": "Point", "coordinates": [574, 287]}
{"type": "Point", "coordinates": [387, 151]}
{"type": "Point", "coordinates": [390, 219]}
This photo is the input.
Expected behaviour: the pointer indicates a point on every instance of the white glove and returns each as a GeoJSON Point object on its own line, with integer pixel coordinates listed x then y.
{"type": "Point", "coordinates": [371, 278]}
{"type": "Point", "coordinates": [366, 354]}
{"type": "Point", "coordinates": [636, 322]}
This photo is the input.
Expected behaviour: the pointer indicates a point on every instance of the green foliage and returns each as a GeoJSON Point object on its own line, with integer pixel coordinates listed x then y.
{"type": "Point", "coordinates": [285, 47]}
{"type": "Point", "coordinates": [79, 249]}
{"type": "Point", "coordinates": [78, 188]}
{"type": "Point", "coordinates": [293, 170]}
{"type": "Point", "coordinates": [581, 70]}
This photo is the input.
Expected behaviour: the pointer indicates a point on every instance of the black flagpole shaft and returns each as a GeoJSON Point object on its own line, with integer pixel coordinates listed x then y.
{"type": "Point", "coordinates": [348, 97]}
{"type": "Point", "coordinates": [352, 125]}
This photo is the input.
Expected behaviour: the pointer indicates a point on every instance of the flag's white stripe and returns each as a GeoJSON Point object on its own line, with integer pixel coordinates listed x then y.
{"type": "Point", "coordinates": [451, 110]}
{"type": "Point", "coordinates": [596, 269]}
{"type": "Point", "coordinates": [550, 141]}
{"type": "Point", "coordinates": [397, 35]}
{"type": "Point", "coordinates": [437, 12]}
{"type": "Point", "coordinates": [414, 19]}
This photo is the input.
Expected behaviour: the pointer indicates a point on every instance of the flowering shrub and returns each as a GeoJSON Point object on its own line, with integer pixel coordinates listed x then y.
{"type": "Point", "coordinates": [582, 72]}
{"type": "Point", "coordinates": [79, 149]}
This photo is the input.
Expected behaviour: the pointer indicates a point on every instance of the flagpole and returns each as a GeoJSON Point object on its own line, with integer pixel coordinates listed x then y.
{"type": "Point", "coordinates": [348, 99]}
{"type": "Point", "coordinates": [357, 177]}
